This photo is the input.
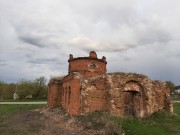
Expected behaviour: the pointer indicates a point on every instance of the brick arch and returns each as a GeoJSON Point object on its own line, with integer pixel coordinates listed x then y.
{"type": "Point", "coordinates": [133, 99]}
{"type": "Point", "coordinates": [132, 86]}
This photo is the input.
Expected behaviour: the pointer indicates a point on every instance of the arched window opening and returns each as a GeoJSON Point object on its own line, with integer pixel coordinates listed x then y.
{"type": "Point", "coordinates": [65, 94]}
{"type": "Point", "coordinates": [69, 95]}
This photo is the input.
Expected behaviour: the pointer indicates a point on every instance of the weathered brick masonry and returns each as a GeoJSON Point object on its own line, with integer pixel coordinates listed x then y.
{"type": "Point", "coordinates": [87, 88]}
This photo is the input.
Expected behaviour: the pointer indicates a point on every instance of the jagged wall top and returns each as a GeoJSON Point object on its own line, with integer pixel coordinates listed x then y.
{"type": "Point", "coordinates": [92, 55]}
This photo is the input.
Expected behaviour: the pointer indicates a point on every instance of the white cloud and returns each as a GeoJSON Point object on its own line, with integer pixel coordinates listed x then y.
{"type": "Point", "coordinates": [135, 35]}
{"type": "Point", "coordinates": [107, 46]}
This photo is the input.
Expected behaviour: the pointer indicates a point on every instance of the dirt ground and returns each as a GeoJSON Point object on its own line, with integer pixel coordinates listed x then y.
{"type": "Point", "coordinates": [43, 122]}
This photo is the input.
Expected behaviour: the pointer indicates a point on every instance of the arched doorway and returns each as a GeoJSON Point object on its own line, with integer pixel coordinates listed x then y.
{"type": "Point", "coordinates": [132, 99]}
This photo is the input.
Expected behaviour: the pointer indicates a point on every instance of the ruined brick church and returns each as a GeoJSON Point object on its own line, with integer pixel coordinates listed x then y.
{"type": "Point", "coordinates": [88, 87]}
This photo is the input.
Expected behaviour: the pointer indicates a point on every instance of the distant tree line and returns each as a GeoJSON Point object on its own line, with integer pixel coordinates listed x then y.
{"type": "Point", "coordinates": [24, 89]}
{"type": "Point", "coordinates": [37, 88]}
{"type": "Point", "coordinates": [172, 86]}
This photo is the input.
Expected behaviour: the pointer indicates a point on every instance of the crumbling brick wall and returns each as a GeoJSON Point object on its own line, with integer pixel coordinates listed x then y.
{"type": "Point", "coordinates": [162, 96]}
{"type": "Point", "coordinates": [93, 94]}
{"type": "Point", "coordinates": [130, 86]}
{"type": "Point", "coordinates": [147, 96]}
{"type": "Point", "coordinates": [87, 88]}
{"type": "Point", "coordinates": [124, 94]}
{"type": "Point", "coordinates": [54, 92]}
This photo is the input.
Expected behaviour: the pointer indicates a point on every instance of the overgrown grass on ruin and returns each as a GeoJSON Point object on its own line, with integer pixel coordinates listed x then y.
{"type": "Point", "coordinates": [100, 120]}
{"type": "Point", "coordinates": [160, 123]}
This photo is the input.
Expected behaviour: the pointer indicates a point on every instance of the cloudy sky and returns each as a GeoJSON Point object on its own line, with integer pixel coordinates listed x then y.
{"type": "Point", "coordinates": [37, 36]}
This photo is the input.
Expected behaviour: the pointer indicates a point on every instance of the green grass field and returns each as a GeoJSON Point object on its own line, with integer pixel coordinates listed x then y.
{"type": "Point", "coordinates": [177, 108]}
{"type": "Point", "coordinates": [24, 100]}
{"type": "Point", "coordinates": [160, 123]}
{"type": "Point", "coordinates": [6, 125]}
{"type": "Point", "coordinates": [7, 109]}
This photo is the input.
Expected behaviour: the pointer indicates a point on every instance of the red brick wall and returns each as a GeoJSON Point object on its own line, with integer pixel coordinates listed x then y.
{"type": "Point", "coordinates": [54, 95]}
{"type": "Point", "coordinates": [93, 54]}
{"type": "Point", "coordinates": [94, 94]}
{"type": "Point", "coordinates": [71, 96]}
{"type": "Point", "coordinates": [87, 67]}
{"type": "Point", "coordinates": [75, 97]}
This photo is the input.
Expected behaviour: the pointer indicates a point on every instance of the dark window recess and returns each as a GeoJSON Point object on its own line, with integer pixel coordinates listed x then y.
{"type": "Point", "coordinates": [69, 95]}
